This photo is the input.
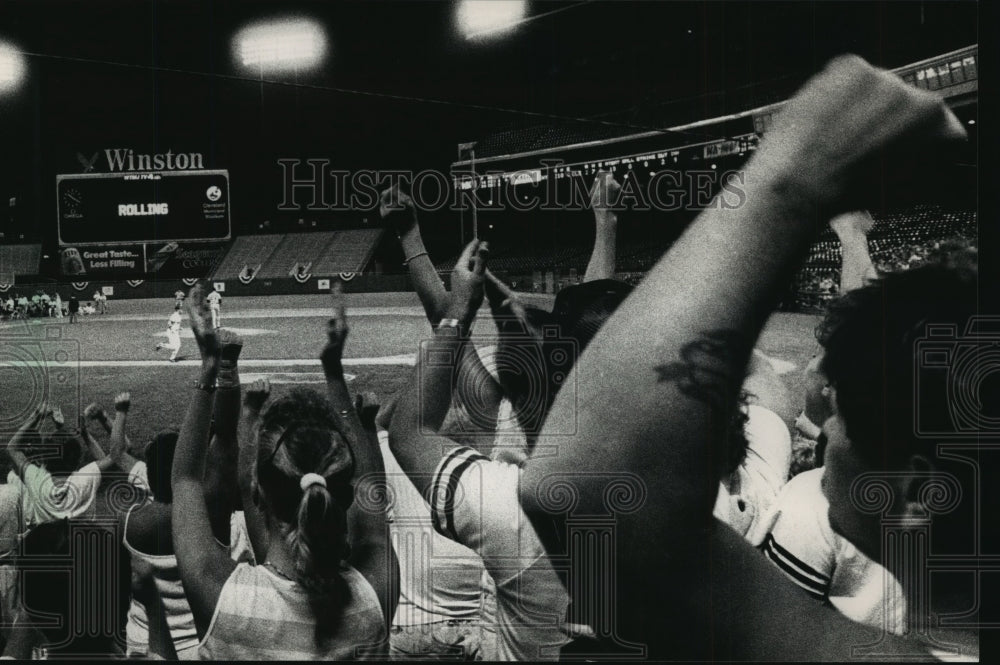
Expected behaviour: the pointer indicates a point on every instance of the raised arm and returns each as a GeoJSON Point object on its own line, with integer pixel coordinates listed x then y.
{"type": "Point", "coordinates": [204, 569]}
{"type": "Point", "coordinates": [119, 452]}
{"type": "Point", "coordinates": [96, 413]}
{"type": "Point", "coordinates": [656, 384]}
{"type": "Point", "coordinates": [398, 208]}
{"type": "Point", "coordinates": [92, 449]}
{"type": "Point", "coordinates": [413, 432]}
{"type": "Point", "coordinates": [253, 401]}
{"type": "Point", "coordinates": [14, 450]}
{"type": "Point", "coordinates": [856, 265]}
{"type": "Point", "coordinates": [221, 480]}
{"type": "Point", "coordinates": [368, 518]}
{"type": "Point", "coordinates": [603, 198]}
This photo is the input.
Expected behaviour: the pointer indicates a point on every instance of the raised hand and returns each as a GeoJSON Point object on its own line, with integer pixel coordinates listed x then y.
{"type": "Point", "coordinates": [467, 282]}
{"type": "Point", "coordinates": [231, 344]}
{"type": "Point", "coordinates": [94, 412]}
{"type": "Point", "coordinates": [201, 323]}
{"type": "Point", "coordinates": [506, 305]}
{"type": "Point", "coordinates": [256, 394]}
{"type": "Point", "coordinates": [398, 206]}
{"type": "Point", "coordinates": [852, 224]}
{"type": "Point", "coordinates": [57, 416]}
{"type": "Point", "coordinates": [392, 199]}
{"type": "Point", "coordinates": [38, 415]}
{"type": "Point", "coordinates": [123, 401]}
{"type": "Point", "coordinates": [604, 192]}
{"type": "Point", "coordinates": [336, 332]}
{"type": "Point", "coordinates": [498, 294]}
{"type": "Point", "coordinates": [851, 115]}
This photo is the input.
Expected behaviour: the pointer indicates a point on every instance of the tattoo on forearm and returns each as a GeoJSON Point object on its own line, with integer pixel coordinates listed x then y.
{"type": "Point", "coordinates": [710, 368]}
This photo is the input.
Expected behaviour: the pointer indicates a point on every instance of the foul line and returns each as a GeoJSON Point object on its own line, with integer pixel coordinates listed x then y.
{"type": "Point", "coordinates": [408, 360]}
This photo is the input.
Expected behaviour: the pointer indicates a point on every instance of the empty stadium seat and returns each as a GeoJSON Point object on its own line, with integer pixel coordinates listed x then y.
{"type": "Point", "coordinates": [347, 251]}
{"type": "Point", "coordinates": [246, 250]}
{"type": "Point", "coordinates": [20, 259]}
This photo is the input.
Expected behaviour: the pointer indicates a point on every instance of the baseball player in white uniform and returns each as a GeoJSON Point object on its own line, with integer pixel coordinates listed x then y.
{"type": "Point", "coordinates": [173, 334]}
{"type": "Point", "coordinates": [214, 304]}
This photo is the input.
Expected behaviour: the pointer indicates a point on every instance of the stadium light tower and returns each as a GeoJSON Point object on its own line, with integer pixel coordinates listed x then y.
{"type": "Point", "coordinates": [489, 18]}
{"type": "Point", "coordinates": [285, 45]}
{"type": "Point", "coordinates": [11, 67]}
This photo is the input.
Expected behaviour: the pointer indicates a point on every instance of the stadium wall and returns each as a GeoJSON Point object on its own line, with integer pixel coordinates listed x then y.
{"type": "Point", "coordinates": [129, 289]}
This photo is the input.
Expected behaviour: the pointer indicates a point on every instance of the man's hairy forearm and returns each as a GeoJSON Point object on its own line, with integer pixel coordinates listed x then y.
{"type": "Point", "coordinates": [687, 331]}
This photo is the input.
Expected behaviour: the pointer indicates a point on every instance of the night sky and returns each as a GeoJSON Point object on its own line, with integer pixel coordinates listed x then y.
{"type": "Point", "coordinates": [400, 87]}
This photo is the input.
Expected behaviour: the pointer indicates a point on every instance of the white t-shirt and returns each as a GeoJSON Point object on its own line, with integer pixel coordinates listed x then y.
{"type": "Point", "coordinates": [44, 499]}
{"type": "Point", "coordinates": [474, 501]}
{"type": "Point", "coordinates": [139, 476]}
{"type": "Point", "coordinates": [745, 497]}
{"type": "Point", "coordinates": [440, 580]}
{"type": "Point", "coordinates": [796, 536]}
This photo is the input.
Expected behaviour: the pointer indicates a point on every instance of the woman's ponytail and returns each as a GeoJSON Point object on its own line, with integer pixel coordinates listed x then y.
{"type": "Point", "coordinates": [319, 544]}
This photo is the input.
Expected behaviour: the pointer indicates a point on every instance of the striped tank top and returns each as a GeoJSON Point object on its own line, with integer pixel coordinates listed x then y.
{"type": "Point", "coordinates": [167, 578]}
{"type": "Point", "coordinates": [263, 616]}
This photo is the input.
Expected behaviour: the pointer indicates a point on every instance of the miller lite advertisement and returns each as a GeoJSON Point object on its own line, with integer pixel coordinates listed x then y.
{"type": "Point", "coordinates": [165, 223]}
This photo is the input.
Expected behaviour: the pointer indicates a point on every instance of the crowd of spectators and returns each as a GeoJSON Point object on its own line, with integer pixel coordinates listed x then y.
{"type": "Point", "coordinates": [611, 479]}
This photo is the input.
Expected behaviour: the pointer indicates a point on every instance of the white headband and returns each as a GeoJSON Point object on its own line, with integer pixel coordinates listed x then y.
{"type": "Point", "coordinates": [310, 479]}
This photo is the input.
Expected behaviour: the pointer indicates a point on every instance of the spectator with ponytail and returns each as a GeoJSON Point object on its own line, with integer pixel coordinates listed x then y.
{"type": "Point", "coordinates": [322, 591]}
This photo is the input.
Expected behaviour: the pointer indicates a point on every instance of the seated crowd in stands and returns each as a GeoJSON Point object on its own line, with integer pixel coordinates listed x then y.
{"type": "Point", "coordinates": [38, 304]}
{"type": "Point", "coordinates": [630, 499]}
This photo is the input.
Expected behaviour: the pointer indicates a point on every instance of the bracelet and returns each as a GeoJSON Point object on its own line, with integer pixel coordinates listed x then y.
{"type": "Point", "coordinates": [461, 331]}
{"type": "Point", "coordinates": [406, 262]}
{"type": "Point", "coordinates": [207, 387]}
{"type": "Point", "coordinates": [807, 427]}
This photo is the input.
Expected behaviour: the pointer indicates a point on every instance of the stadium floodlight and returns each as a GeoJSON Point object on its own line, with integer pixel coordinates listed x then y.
{"type": "Point", "coordinates": [282, 45]}
{"type": "Point", "coordinates": [11, 67]}
{"type": "Point", "coordinates": [479, 18]}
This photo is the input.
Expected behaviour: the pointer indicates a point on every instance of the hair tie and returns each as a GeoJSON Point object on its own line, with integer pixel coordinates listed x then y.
{"type": "Point", "coordinates": [310, 479]}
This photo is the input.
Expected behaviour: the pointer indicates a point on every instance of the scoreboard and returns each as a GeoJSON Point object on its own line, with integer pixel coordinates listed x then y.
{"type": "Point", "coordinates": [137, 223]}
{"type": "Point", "coordinates": [109, 208]}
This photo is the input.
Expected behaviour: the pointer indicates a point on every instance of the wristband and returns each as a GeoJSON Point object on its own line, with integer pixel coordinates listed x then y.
{"type": "Point", "coordinates": [462, 330]}
{"type": "Point", "coordinates": [207, 387]}
{"type": "Point", "coordinates": [806, 427]}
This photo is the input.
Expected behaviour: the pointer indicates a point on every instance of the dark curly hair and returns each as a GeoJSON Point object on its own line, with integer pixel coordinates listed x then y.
{"type": "Point", "coordinates": [869, 336]}
{"type": "Point", "coordinates": [159, 461]}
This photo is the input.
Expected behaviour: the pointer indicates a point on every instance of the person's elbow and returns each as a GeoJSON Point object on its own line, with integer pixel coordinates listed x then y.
{"type": "Point", "coordinates": [401, 435]}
